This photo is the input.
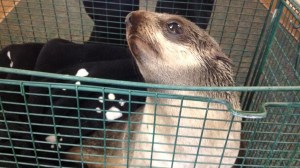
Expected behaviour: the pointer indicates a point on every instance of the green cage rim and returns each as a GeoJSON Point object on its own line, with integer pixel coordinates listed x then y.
{"type": "Point", "coordinates": [260, 113]}
{"type": "Point", "coordinates": [143, 85]}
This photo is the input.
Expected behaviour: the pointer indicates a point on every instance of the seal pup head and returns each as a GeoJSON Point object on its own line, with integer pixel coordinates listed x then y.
{"type": "Point", "coordinates": [170, 49]}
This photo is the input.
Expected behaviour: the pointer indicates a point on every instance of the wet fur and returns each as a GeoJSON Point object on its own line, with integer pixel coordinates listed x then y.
{"type": "Point", "coordinates": [190, 59]}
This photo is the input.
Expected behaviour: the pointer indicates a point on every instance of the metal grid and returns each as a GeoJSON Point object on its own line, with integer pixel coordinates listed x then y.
{"type": "Point", "coordinates": [271, 142]}
{"type": "Point", "coordinates": [253, 36]}
{"type": "Point", "coordinates": [273, 138]}
{"type": "Point", "coordinates": [235, 24]}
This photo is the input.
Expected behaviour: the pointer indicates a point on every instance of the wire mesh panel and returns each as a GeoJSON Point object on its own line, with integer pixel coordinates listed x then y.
{"type": "Point", "coordinates": [59, 120]}
{"type": "Point", "coordinates": [50, 124]}
{"type": "Point", "coordinates": [274, 139]}
{"type": "Point", "coordinates": [237, 25]}
{"type": "Point", "coordinates": [277, 65]}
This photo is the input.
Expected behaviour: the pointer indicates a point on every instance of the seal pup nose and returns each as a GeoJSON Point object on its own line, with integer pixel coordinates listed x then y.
{"type": "Point", "coordinates": [135, 18]}
{"type": "Point", "coordinates": [128, 19]}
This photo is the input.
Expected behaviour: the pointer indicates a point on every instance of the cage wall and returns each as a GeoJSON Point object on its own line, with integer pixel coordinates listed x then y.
{"type": "Point", "coordinates": [276, 65]}
{"type": "Point", "coordinates": [261, 37]}
{"type": "Point", "coordinates": [236, 25]}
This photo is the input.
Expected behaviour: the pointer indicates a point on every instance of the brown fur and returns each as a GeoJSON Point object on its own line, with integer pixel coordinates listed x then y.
{"type": "Point", "coordinates": [192, 58]}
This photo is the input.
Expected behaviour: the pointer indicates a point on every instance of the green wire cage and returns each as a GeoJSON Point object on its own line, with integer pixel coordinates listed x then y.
{"type": "Point", "coordinates": [261, 37]}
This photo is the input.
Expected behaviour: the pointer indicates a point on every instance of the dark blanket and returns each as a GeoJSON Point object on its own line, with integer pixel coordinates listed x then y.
{"type": "Point", "coordinates": [52, 111]}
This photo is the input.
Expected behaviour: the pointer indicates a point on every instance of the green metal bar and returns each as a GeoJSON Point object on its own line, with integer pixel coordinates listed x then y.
{"type": "Point", "coordinates": [104, 126]}
{"type": "Point", "coordinates": [81, 21]}
{"type": "Point", "coordinates": [19, 23]}
{"type": "Point", "coordinates": [262, 112]}
{"type": "Point", "coordinates": [22, 90]}
{"type": "Point", "coordinates": [69, 21]}
{"type": "Point", "coordinates": [177, 131]}
{"type": "Point", "coordinates": [43, 19]}
{"type": "Point", "coordinates": [129, 129]}
{"type": "Point", "coordinates": [265, 53]}
{"type": "Point", "coordinates": [236, 28]}
{"type": "Point", "coordinates": [54, 125]}
{"type": "Point", "coordinates": [134, 84]}
{"type": "Point", "coordinates": [225, 19]}
{"type": "Point", "coordinates": [55, 16]}
{"type": "Point", "coordinates": [154, 127]}
{"type": "Point", "coordinates": [202, 132]}
{"type": "Point", "coordinates": [297, 62]}
{"type": "Point", "coordinates": [253, 67]}
{"type": "Point", "coordinates": [31, 23]}
{"type": "Point", "coordinates": [247, 40]}
{"type": "Point", "coordinates": [227, 138]}
{"type": "Point", "coordinates": [246, 114]}
{"type": "Point", "coordinates": [79, 125]}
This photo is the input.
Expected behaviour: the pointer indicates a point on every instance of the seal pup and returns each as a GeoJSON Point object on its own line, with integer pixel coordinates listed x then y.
{"type": "Point", "coordinates": [171, 50]}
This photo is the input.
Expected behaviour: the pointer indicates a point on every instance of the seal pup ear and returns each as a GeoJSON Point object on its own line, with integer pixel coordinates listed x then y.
{"type": "Point", "coordinates": [223, 58]}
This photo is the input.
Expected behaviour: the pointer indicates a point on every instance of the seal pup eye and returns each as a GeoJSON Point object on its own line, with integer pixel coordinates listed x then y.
{"type": "Point", "coordinates": [174, 28]}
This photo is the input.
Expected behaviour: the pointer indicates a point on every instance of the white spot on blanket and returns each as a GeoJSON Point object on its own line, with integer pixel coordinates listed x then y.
{"type": "Point", "coordinates": [82, 72]}
{"type": "Point", "coordinates": [9, 57]}
{"type": "Point", "coordinates": [122, 102]}
{"type": "Point", "coordinates": [53, 139]}
{"type": "Point", "coordinates": [100, 99]}
{"type": "Point", "coordinates": [78, 83]}
{"type": "Point", "coordinates": [111, 96]}
{"type": "Point", "coordinates": [98, 110]}
{"type": "Point", "coordinates": [113, 113]}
